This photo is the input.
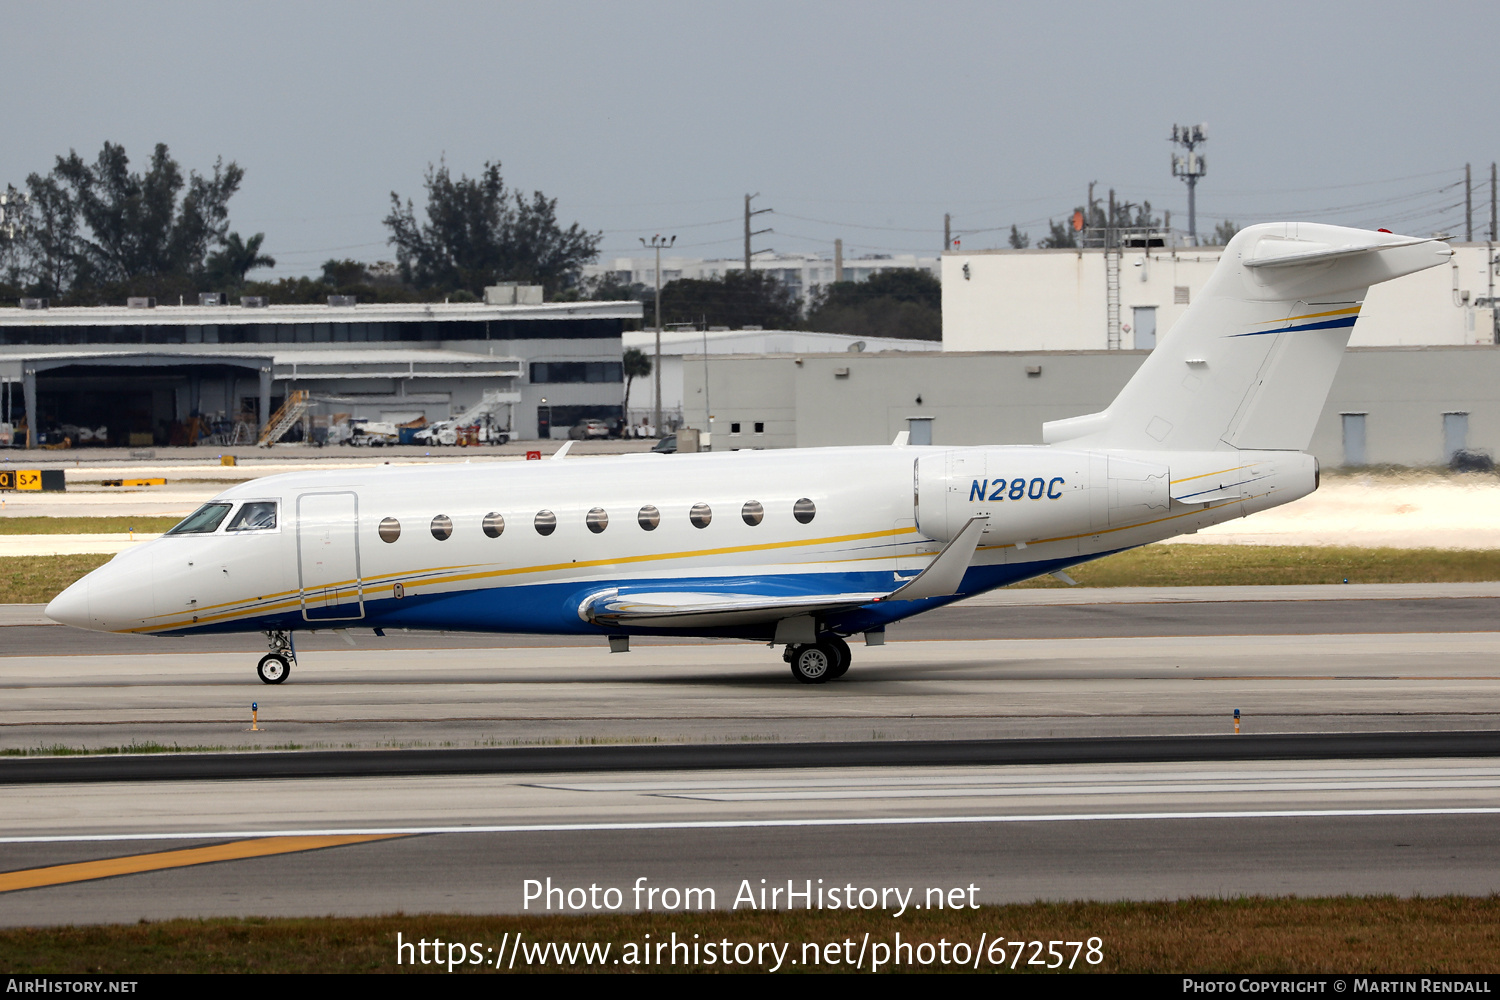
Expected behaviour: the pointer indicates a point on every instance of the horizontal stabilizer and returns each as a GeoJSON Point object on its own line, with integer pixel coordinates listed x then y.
{"type": "Point", "coordinates": [1266, 255]}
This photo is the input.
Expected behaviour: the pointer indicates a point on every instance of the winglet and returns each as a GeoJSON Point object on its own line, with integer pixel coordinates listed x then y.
{"type": "Point", "coordinates": [563, 451]}
{"type": "Point", "coordinates": [902, 438]}
{"type": "Point", "coordinates": [944, 574]}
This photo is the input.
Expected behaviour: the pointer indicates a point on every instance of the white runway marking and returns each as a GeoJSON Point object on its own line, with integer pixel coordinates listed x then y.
{"type": "Point", "coordinates": [391, 831]}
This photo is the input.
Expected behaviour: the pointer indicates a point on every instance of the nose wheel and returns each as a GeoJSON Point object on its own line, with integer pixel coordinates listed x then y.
{"type": "Point", "coordinates": [816, 662]}
{"type": "Point", "coordinates": [276, 665]}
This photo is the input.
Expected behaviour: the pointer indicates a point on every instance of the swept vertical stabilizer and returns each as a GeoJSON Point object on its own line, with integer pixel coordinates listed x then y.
{"type": "Point", "coordinates": [1250, 363]}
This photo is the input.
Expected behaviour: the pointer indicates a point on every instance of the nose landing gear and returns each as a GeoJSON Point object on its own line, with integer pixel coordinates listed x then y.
{"type": "Point", "coordinates": [276, 665]}
{"type": "Point", "coordinates": [816, 662]}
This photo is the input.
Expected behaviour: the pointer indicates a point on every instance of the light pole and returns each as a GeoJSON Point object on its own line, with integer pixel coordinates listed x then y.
{"type": "Point", "coordinates": [657, 242]}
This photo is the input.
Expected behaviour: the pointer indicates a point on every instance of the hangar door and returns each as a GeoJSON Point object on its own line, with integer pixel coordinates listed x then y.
{"type": "Point", "coordinates": [328, 557]}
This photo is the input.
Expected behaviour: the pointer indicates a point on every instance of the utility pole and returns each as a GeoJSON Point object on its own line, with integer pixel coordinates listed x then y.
{"type": "Point", "coordinates": [656, 244]}
{"type": "Point", "coordinates": [947, 232]}
{"type": "Point", "coordinates": [1492, 201]}
{"type": "Point", "coordinates": [748, 233]}
{"type": "Point", "coordinates": [1190, 165]}
{"type": "Point", "coordinates": [1468, 205]}
{"type": "Point", "coordinates": [838, 260]}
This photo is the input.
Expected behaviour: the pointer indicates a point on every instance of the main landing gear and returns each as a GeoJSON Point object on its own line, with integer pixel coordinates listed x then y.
{"type": "Point", "coordinates": [276, 665]}
{"type": "Point", "coordinates": [816, 662]}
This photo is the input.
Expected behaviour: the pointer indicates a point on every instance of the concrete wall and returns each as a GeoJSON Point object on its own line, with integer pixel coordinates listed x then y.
{"type": "Point", "coordinates": [1036, 300]}
{"type": "Point", "coordinates": [990, 398]}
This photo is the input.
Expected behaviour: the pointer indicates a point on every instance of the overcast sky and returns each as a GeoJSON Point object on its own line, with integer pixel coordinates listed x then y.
{"type": "Point", "coordinates": [865, 121]}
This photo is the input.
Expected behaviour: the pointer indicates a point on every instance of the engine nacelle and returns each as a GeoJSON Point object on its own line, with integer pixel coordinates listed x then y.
{"type": "Point", "coordinates": [1035, 493]}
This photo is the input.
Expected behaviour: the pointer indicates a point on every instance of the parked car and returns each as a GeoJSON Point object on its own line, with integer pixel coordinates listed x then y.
{"type": "Point", "coordinates": [666, 446]}
{"type": "Point", "coordinates": [589, 429]}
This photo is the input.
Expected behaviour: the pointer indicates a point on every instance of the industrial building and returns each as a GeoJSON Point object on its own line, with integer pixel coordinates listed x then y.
{"type": "Point", "coordinates": [1407, 406]}
{"type": "Point", "coordinates": [143, 374]}
{"type": "Point", "coordinates": [799, 272]}
{"type": "Point", "coordinates": [1125, 298]}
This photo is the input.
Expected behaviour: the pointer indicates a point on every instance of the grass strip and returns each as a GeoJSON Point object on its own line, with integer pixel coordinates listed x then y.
{"type": "Point", "coordinates": [1265, 565]}
{"type": "Point", "coordinates": [1351, 934]}
{"type": "Point", "coordinates": [85, 525]}
{"type": "Point", "coordinates": [38, 579]}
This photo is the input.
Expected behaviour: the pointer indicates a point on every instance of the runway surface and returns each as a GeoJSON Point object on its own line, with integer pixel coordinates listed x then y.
{"type": "Point", "coordinates": [729, 794]}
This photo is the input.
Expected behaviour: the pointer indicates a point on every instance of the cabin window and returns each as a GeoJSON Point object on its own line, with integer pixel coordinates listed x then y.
{"type": "Point", "coordinates": [203, 520]}
{"type": "Point", "coordinates": [494, 525]}
{"type": "Point", "coordinates": [597, 520]}
{"type": "Point", "coordinates": [752, 512]}
{"type": "Point", "coordinates": [649, 517]}
{"type": "Point", "coordinates": [442, 527]}
{"type": "Point", "coordinates": [259, 515]}
{"type": "Point", "coordinates": [546, 522]}
{"type": "Point", "coordinates": [700, 515]}
{"type": "Point", "coordinates": [804, 510]}
{"type": "Point", "coordinates": [390, 529]}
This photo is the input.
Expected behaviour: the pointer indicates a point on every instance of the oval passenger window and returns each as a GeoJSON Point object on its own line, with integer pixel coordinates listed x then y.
{"type": "Point", "coordinates": [700, 515]}
{"type": "Point", "coordinates": [442, 527]}
{"type": "Point", "coordinates": [546, 522]}
{"type": "Point", "coordinates": [649, 517]}
{"type": "Point", "coordinates": [390, 529]}
{"type": "Point", "coordinates": [752, 512]}
{"type": "Point", "coordinates": [597, 520]}
{"type": "Point", "coordinates": [494, 525]}
{"type": "Point", "coordinates": [804, 510]}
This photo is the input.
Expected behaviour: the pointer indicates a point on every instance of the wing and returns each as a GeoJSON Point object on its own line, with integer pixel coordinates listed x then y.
{"type": "Point", "coordinates": [691, 609]}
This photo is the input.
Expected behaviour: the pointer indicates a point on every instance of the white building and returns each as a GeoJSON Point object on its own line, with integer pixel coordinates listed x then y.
{"type": "Point", "coordinates": [1092, 299]}
{"type": "Point", "coordinates": [676, 345]}
{"type": "Point", "coordinates": [799, 272]}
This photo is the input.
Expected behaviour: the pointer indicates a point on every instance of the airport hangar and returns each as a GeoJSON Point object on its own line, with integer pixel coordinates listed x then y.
{"type": "Point", "coordinates": [1037, 335]}
{"type": "Point", "coordinates": [139, 370]}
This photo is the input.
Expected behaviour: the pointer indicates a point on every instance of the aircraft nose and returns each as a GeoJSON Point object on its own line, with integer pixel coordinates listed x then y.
{"type": "Point", "coordinates": [71, 607]}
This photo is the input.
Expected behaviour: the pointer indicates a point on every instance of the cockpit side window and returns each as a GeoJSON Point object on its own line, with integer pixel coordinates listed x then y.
{"type": "Point", "coordinates": [258, 515]}
{"type": "Point", "coordinates": [203, 520]}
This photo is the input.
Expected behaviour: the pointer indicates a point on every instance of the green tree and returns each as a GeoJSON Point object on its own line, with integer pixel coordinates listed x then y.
{"type": "Point", "coordinates": [1018, 239]}
{"type": "Point", "coordinates": [900, 302]}
{"type": "Point", "coordinates": [227, 267]}
{"type": "Point", "coordinates": [1224, 232]}
{"type": "Point", "coordinates": [736, 299]}
{"type": "Point", "coordinates": [478, 232]}
{"type": "Point", "coordinates": [637, 365]}
{"type": "Point", "coordinates": [138, 225]}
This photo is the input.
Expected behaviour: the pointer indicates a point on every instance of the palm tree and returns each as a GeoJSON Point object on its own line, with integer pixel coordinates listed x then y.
{"type": "Point", "coordinates": [228, 267]}
{"type": "Point", "coordinates": [637, 365]}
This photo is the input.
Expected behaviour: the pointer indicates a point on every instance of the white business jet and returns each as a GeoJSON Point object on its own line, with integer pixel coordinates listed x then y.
{"type": "Point", "coordinates": [795, 548]}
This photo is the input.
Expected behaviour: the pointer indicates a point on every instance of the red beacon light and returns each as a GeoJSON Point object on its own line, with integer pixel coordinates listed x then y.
{"type": "Point", "coordinates": [1384, 231]}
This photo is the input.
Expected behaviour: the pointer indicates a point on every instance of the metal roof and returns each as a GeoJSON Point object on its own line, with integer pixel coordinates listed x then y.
{"type": "Point", "coordinates": [286, 364]}
{"type": "Point", "coordinates": [414, 312]}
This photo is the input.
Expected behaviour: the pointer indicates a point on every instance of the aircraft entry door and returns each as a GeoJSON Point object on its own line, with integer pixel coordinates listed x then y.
{"type": "Point", "coordinates": [328, 557]}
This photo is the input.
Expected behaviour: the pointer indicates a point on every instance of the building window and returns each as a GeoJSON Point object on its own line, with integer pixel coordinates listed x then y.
{"type": "Point", "coordinates": [760, 428]}
{"type": "Point", "coordinates": [734, 428]}
{"type": "Point", "coordinates": [552, 372]}
{"type": "Point", "coordinates": [494, 525]}
{"type": "Point", "coordinates": [700, 515]}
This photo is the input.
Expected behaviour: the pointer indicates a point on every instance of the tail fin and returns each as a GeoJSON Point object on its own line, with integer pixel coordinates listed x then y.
{"type": "Point", "coordinates": [1250, 363]}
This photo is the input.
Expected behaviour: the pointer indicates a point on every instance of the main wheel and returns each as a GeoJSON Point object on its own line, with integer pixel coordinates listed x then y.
{"type": "Point", "coordinates": [814, 663]}
{"type": "Point", "coordinates": [273, 668]}
{"type": "Point", "coordinates": [840, 647]}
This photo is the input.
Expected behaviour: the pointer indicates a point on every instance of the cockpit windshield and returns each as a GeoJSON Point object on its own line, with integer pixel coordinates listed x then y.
{"type": "Point", "coordinates": [203, 520]}
{"type": "Point", "coordinates": [257, 515]}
